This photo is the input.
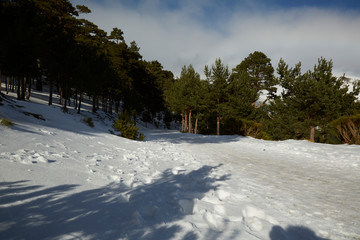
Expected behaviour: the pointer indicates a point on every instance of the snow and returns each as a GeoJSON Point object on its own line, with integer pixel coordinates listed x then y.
{"type": "Point", "coordinates": [61, 179]}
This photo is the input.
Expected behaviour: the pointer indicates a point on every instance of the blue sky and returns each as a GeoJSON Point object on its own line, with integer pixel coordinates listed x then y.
{"type": "Point", "coordinates": [182, 32]}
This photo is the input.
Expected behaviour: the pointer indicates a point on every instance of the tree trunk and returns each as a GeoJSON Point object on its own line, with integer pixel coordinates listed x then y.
{"type": "Point", "coordinates": [196, 124]}
{"type": "Point", "coordinates": [80, 99]}
{"type": "Point", "coordinates": [93, 104]}
{"type": "Point", "coordinates": [312, 133]}
{"type": "Point", "coordinates": [50, 91]}
{"type": "Point", "coordinates": [186, 122]}
{"type": "Point", "coordinates": [23, 88]}
{"type": "Point", "coordinates": [39, 85]}
{"type": "Point", "coordinates": [103, 104]}
{"type": "Point", "coordinates": [7, 84]}
{"type": "Point", "coordinates": [0, 80]}
{"type": "Point", "coordinates": [65, 105]}
{"type": "Point", "coordinates": [75, 100]}
{"type": "Point", "coordinates": [117, 104]}
{"type": "Point", "coordinates": [218, 119]}
{"type": "Point", "coordinates": [218, 125]}
{"type": "Point", "coordinates": [12, 88]}
{"type": "Point", "coordinates": [29, 89]}
{"type": "Point", "coordinates": [61, 95]}
{"type": "Point", "coordinates": [182, 122]}
{"type": "Point", "coordinates": [18, 89]}
{"type": "Point", "coordinates": [190, 124]}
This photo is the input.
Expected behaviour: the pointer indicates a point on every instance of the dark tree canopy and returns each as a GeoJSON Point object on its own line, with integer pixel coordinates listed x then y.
{"type": "Point", "coordinates": [258, 66]}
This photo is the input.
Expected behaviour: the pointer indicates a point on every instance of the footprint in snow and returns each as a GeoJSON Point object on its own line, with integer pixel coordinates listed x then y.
{"type": "Point", "coordinates": [222, 194]}
{"type": "Point", "coordinates": [215, 221]}
{"type": "Point", "coordinates": [256, 219]}
{"type": "Point", "coordinates": [47, 132]}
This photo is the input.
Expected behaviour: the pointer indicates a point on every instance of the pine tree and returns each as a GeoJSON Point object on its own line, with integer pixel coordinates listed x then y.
{"type": "Point", "coordinates": [311, 100]}
{"type": "Point", "coordinates": [218, 77]}
{"type": "Point", "coordinates": [241, 96]}
{"type": "Point", "coordinates": [184, 97]}
{"type": "Point", "coordinates": [258, 66]}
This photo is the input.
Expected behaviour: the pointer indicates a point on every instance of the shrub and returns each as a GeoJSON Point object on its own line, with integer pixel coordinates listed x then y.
{"type": "Point", "coordinates": [88, 121]}
{"type": "Point", "coordinates": [263, 135]}
{"type": "Point", "coordinates": [127, 128]}
{"type": "Point", "coordinates": [244, 127]}
{"type": "Point", "coordinates": [347, 129]}
{"type": "Point", "coordinates": [6, 122]}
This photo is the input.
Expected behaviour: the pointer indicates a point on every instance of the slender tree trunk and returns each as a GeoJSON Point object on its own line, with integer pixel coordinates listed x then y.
{"type": "Point", "coordinates": [13, 84]}
{"type": "Point", "coordinates": [65, 105]}
{"type": "Point", "coordinates": [312, 133]}
{"type": "Point", "coordinates": [39, 85]}
{"type": "Point", "coordinates": [93, 104]}
{"type": "Point", "coordinates": [196, 124]}
{"type": "Point", "coordinates": [0, 80]}
{"type": "Point", "coordinates": [186, 122]}
{"type": "Point", "coordinates": [18, 93]}
{"type": "Point", "coordinates": [183, 122]}
{"type": "Point", "coordinates": [117, 104]}
{"type": "Point", "coordinates": [75, 100]}
{"type": "Point", "coordinates": [61, 95]}
{"type": "Point", "coordinates": [23, 89]}
{"type": "Point", "coordinates": [218, 119]}
{"type": "Point", "coordinates": [190, 124]}
{"type": "Point", "coordinates": [7, 84]}
{"type": "Point", "coordinates": [80, 99]}
{"type": "Point", "coordinates": [104, 105]}
{"type": "Point", "coordinates": [29, 89]}
{"type": "Point", "coordinates": [50, 91]}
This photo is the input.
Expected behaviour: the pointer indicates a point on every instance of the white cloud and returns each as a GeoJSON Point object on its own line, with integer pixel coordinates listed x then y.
{"type": "Point", "coordinates": [179, 36]}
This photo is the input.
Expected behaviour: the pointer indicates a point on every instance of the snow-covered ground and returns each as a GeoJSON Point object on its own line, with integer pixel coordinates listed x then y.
{"type": "Point", "coordinates": [61, 179]}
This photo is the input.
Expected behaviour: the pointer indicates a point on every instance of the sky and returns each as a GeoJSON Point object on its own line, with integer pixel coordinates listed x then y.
{"type": "Point", "coordinates": [183, 32]}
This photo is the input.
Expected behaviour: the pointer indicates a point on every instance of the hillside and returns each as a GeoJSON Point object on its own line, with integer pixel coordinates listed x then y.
{"type": "Point", "coordinates": [61, 179]}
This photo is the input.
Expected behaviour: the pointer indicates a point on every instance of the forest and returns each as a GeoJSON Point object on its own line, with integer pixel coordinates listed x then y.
{"type": "Point", "coordinates": [47, 43]}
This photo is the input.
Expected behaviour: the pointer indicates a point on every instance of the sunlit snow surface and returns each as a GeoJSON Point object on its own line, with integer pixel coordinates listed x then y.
{"type": "Point", "coordinates": [61, 179]}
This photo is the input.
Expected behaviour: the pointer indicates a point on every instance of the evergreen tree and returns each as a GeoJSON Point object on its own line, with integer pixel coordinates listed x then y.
{"type": "Point", "coordinates": [184, 97]}
{"type": "Point", "coordinates": [18, 42]}
{"type": "Point", "coordinates": [218, 77]}
{"type": "Point", "coordinates": [258, 66]}
{"type": "Point", "coordinates": [241, 96]}
{"type": "Point", "coordinates": [310, 100]}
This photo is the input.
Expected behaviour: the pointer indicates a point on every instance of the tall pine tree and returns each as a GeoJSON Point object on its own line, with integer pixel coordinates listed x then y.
{"type": "Point", "coordinates": [310, 101]}
{"type": "Point", "coordinates": [218, 77]}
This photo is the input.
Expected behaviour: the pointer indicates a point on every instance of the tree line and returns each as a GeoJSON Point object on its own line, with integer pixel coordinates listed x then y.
{"type": "Point", "coordinates": [46, 42]}
{"type": "Point", "coordinates": [314, 105]}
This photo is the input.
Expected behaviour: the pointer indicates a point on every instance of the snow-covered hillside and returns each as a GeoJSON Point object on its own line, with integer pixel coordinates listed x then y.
{"type": "Point", "coordinates": [61, 179]}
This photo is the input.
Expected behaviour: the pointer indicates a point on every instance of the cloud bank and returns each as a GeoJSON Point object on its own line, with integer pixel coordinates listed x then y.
{"type": "Point", "coordinates": [198, 32]}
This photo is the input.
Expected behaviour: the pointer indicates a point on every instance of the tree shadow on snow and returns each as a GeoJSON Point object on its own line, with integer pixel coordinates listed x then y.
{"type": "Point", "coordinates": [147, 211]}
{"type": "Point", "coordinates": [43, 116]}
{"type": "Point", "coordinates": [178, 137]}
{"type": "Point", "coordinates": [293, 233]}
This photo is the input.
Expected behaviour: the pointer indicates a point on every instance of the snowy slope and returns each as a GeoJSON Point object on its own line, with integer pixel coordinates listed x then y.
{"type": "Point", "coordinates": [61, 179]}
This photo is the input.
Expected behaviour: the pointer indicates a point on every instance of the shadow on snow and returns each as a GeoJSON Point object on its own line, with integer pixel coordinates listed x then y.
{"type": "Point", "coordinates": [115, 211]}
{"type": "Point", "coordinates": [293, 233]}
{"type": "Point", "coordinates": [53, 116]}
{"type": "Point", "coordinates": [72, 123]}
{"type": "Point", "coordinates": [178, 137]}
